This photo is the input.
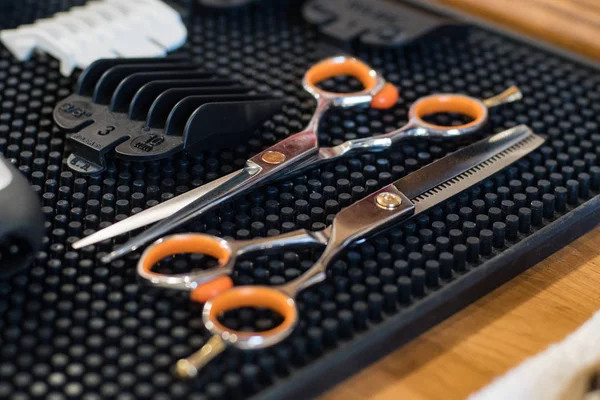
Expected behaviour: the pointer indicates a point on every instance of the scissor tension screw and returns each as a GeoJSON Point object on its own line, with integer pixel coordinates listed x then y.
{"type": "Point", "coordinates": [273, 157]}
{"type": "Point", "coordinates": [388, 201]}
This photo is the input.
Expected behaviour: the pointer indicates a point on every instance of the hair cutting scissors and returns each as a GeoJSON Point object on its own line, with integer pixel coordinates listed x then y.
{"type": "Point", "coordinates": [396, 202]}
{"type": "Point", "coordinates": [302, 150]}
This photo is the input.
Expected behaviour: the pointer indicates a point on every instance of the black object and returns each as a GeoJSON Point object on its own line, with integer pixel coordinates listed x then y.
{"type": "Point", "coordinates": [373, 22]}
{"type": "Point", "coordinates": [225, 3]}
{"type": "Point", "coordinates": [21, 220]}
{"type": "Point", "coordinates": [147, 109]}
{"type": "Point", "coordinates": [71, 327]}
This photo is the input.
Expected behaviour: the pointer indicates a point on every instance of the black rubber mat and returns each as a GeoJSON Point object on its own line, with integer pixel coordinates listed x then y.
{"type": "Point", "coordinates": [71, 327]}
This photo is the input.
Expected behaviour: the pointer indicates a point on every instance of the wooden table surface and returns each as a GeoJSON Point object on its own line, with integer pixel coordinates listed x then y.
{"type": "Point", "coordinates": [572, 24]}
{"type": "Point", "coordinates": [521, 318]}
{"type": "Point", "coordinates": [492, 335]}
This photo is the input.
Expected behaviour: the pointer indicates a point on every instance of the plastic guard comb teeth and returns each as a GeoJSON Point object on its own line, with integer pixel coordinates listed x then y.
{"type": "Point", "coordinates": [147, 109]}
{"type": "Point", "coordinates": [100, 29]}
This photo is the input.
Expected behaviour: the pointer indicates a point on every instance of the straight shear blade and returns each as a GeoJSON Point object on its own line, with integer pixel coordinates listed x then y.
{"type": "Point", "coordinates": [154, 214]}
{"type": "Point", "coordinates": [226, 188]}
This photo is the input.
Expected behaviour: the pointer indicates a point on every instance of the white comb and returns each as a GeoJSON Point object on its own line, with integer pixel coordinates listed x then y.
{"type": "Point", "coordinates": [100, 29]}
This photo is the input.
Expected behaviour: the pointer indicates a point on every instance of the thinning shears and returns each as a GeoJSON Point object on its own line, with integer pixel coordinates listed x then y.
{"type": "Point", "coordinates": [407, 197]}
{"type": "Point", "coordinates": [302, 150]}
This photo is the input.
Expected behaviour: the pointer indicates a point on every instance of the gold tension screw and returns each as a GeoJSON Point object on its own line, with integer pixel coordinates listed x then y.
{"type": "Point", "coordinates": [273, 157]}
{"type": "Point", "coordinates": [388, 201]}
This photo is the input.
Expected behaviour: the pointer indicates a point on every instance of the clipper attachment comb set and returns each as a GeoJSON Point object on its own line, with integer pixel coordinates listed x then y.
{"type": "Point", "coordinates": [147, 109]}
{"type": "Point", "coordinates": [100, 29]}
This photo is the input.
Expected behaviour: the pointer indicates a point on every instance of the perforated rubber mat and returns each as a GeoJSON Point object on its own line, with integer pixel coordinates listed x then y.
{"type": "Point", "coordinates": [71, 327]}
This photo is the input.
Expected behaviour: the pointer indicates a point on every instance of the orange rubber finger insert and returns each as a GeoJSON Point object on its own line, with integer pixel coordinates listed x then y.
{"type": "Point", "coordinates": [386, 98]}
{"type": "Point", "coordinates": [255, 296]}
{"type": "Point", "coordinates": [206, 291]}
{"type": "Point", "coordinates": [450, 103]}
{"type": "Point", "coordinates": [176, 244]}
{"type": "Point", "coordinates": [333, 67]}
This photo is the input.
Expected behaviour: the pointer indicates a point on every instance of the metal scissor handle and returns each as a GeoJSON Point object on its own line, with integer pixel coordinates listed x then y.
{"type": "Point", "coordinates": [219, 296]}
{"type": "Point", "coordinates": [273, 298]}
{"type": "Point", "coordinates": [215, 288]}
{"type": "Point", "coordinates": [204, 285]}
{"type": "Point", "coordinates": [417, 126]}
{"type": "Point", "coordinates": [460, 104]}
{"type": "Point", "coordinates": [241, 296]}
{"type": "Point", "coordinates": [376, 91]}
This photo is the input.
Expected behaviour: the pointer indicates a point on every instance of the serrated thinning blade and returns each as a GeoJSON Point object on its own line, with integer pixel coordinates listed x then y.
{"type": "Point", "coordinates": [467, 167]}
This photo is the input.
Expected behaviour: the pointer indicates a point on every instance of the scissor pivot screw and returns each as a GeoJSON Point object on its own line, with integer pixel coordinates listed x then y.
{"type": "Point", "coordinates": [388, 201]}
{"type": "Point", "coordinates": [273, 157]}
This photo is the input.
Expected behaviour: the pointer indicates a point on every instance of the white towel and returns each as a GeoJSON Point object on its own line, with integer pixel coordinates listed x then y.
{"type": "Point", "coordinates": [563, 371]}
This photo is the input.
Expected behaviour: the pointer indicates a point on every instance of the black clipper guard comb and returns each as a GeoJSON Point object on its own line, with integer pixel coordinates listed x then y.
{"type": "Point", "coordinates": [223, 4]}
{"type": "Point", "coordinates": [372, 22]}
{"type": "Point", "coordinates": [147, 109]}
{"type": "Point", "coordinates": [21, 220]}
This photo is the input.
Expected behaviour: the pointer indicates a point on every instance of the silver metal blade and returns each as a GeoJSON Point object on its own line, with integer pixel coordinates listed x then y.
{"type": "Point", "coordinates": [467, 167]}
{"type": "Point", "coordinates": [151, 215]}
{"type": "Point", "coordinates": [227, 187]}
{"type": "Point", "coordinates": [464, 159]}
{"type": "Point", "coordinates": [422, 190]}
